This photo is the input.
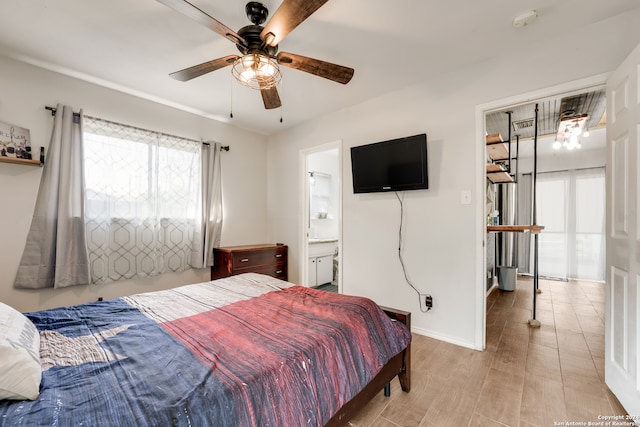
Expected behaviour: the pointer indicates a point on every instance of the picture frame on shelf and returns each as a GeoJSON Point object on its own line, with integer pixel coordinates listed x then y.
{"type": "Point", "coordinates": [15, 142]}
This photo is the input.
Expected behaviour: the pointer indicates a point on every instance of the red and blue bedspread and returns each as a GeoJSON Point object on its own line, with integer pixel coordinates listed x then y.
{"type": "Point", "coordinates": [249, 350]}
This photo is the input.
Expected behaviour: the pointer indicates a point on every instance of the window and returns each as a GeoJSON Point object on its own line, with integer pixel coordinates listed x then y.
{"type": "Point", "coordinates": [571, 206]}
{"type": "Point", "coordinates": [590, 222]}
{"type": "Point", "coordinates": [142, 204]}
{"type": "Point", "coordinates": [553, 213]}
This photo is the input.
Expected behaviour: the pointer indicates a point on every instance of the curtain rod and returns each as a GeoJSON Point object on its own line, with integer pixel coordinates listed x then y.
{"type": "Point", "coordinates": [77, 115]}
{"type": "Point", "coordinates": [586, 168]}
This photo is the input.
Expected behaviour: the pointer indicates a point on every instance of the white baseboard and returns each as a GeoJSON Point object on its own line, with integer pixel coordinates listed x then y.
{"type": "Point", "coordinates": [444, 338]}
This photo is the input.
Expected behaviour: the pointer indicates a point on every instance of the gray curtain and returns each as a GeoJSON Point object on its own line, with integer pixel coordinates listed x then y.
{"type": "Point", "coordinates": [211, 202]}
{"type": "Point", "coordinates": [524, 216]}
{"type": "Point", "coordinates": [55, 254]}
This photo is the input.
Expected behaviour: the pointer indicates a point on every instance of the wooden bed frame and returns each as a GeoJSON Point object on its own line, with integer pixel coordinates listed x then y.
{"type": "Point", "coordinates": [399, 365]}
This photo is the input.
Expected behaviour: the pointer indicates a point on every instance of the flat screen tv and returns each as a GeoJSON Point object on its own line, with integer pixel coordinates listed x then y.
{"type": "Point", "coordinates": [394, 165]}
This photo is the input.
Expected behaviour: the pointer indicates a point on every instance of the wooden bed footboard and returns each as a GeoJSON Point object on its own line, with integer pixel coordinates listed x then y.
{"type": "Point", "coordinates": [399, 365]}
{"type": "Point", "coordinates": [404, 376]}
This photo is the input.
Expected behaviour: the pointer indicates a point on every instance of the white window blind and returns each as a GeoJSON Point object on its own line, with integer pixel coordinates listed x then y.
{"type": "Point", "coordinates": [553, 213]}
{"type": "Point", "coordinates": [143, 201]}
{"type": "Point", "coordinates": [571, 206]}
{"type": "Point", "coordinates": [590, 223]}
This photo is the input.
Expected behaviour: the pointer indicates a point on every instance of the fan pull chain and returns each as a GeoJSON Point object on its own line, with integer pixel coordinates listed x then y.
{"type": "Point", "coordinates": [231, 106]}
{"type": "Point", "coordinates": [281, 107]}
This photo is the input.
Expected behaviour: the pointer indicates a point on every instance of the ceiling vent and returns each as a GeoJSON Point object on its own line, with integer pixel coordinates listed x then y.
{"type": "Point", "coordinates": [521, 125]}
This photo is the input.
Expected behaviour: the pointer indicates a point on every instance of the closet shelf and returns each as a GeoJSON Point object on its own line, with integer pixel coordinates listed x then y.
{"type": "Point", "coordinates": [29, 162]}
{"type": "Point", "coordinates": [497, 174]}
{"type": "Point", "coordinates": [496, 147]}
{"type": "Point", "coordinates": [493, 138]}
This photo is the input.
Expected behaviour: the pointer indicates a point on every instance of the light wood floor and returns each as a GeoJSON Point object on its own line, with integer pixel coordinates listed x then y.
{"type": "Point", "coordinates": [527, 377]}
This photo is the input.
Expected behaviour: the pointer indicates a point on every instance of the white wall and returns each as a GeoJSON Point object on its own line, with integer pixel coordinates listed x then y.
{"type": "Point", "coordinates": [24, 92]}
{"type": "Point", "coordinates": [550, 161]}
{"type": "Point", "coordinates": [442, 242]}
{"type": "Point", "coordinates": [441, 245]}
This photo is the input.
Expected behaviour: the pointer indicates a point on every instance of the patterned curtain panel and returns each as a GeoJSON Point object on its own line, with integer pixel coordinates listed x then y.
{"type": "Point", "coordinates": [143, 204]}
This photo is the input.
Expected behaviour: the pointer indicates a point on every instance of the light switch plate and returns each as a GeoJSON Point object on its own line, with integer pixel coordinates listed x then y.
{"type": "Point", "coordinates": [465, 197]}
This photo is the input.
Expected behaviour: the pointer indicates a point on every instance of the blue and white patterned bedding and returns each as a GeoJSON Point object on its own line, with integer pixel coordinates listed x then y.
{"type": "Point", "coordinates": [249, 350]}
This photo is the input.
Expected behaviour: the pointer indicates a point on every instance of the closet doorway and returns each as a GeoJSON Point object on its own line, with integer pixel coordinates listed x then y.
{"type": "Point", "coordinates": [492, 116]}
{"type": "Point", "coordinates": [570, 188]}
{"type": "Point", "coordinates": [616, 313]}
{"type": "Point", "coordinates": [321, 249]}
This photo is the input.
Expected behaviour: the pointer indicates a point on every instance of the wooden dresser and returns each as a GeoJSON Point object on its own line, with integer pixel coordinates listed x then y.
{"type": "Point", "coordinates": [267, 259]}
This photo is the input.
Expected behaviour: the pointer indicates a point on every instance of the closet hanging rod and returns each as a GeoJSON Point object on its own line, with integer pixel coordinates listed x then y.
{"type": "Point", "coordinates": [77, 116]}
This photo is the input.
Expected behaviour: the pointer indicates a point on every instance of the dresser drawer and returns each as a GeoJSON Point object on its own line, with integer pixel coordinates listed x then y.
{"type": "Point", "coordinates": [252, 258]}
{"type": "Point", "coordinates": [278, 270]}
{"type": "Point", "coordinates": [265, 259]}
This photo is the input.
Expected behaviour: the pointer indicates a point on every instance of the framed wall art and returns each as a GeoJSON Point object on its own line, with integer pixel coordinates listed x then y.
{"type": "Point", "coordinates": [15, 142]}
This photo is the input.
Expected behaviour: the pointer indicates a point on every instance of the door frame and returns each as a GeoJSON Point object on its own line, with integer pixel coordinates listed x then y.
{"type": "Point", "coordinates": [303, 264]}
{"type": "Point", "coordinates": [579, 85]}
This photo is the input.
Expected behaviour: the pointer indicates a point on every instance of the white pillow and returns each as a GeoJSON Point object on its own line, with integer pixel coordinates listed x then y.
{"type": "Point", "coordinates": [20, 372]}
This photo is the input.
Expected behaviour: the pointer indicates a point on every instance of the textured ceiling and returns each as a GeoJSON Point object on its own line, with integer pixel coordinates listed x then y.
{"type": "Point", "coordinates": [132, 46]}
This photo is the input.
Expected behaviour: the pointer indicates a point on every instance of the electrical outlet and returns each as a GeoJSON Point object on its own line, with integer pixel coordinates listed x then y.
{"type": "Point", "coordinates": [428, 302]}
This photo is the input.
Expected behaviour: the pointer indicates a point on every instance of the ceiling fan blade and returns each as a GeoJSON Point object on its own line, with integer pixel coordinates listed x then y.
{"type": "Point", "coordinates": [330, 71]}
{"type": "Point", "coordinates": [288, 16]}
{"type": "Point", "coordinates": [204, 68]}
{"type": "Point", "coordinates": [270, 98]}
{"type": "Point", "coordinates": [193, 12]}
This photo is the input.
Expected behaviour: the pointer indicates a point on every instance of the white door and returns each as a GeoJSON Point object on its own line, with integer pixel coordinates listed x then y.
{"type": "Point", "coordinates": [622, 334]}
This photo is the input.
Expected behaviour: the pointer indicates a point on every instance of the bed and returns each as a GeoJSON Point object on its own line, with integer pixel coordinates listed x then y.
{"type": "Point", "coordinates": [248, 350]}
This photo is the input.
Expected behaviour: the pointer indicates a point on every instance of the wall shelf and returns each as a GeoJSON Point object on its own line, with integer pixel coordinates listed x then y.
{"type": "Point", "coordinates": [29, 162]}
{"type": "Point", "coordinates": [534, 229]}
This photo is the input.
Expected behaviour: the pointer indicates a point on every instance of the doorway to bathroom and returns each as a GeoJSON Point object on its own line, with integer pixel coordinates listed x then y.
{"type": "Point", "coordinates": [322, 206]}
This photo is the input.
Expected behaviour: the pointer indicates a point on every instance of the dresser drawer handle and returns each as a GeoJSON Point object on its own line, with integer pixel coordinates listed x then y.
{"type": "Point", "coordinates": [278, 255]}
{"type": "Point", "coordinates": [278, 271]}
{"type": "Point", "coordinates": [244, 260]}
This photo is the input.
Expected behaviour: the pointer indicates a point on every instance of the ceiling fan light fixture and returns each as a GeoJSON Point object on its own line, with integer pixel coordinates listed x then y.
{"type": "Point", "coordinates": [573, 142]}
{"type": "Point", "coordinates": [570, 129]}
{"type": "Point", "coordinates": [256, 71]}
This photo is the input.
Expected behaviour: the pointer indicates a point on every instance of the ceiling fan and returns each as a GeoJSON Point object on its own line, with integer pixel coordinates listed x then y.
{"type": "Point", "coordinates": [258, 66]}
